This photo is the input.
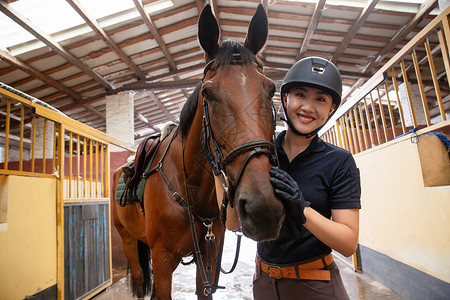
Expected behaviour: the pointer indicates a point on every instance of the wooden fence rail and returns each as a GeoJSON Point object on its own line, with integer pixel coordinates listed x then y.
{"type": "Point", "coordinates": [39, 141]}
{"type": "Point", "coordinates": [411, 91]}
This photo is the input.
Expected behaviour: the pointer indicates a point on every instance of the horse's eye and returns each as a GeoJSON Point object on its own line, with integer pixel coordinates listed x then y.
{"type": "Point", "coordinates": [207, 96]}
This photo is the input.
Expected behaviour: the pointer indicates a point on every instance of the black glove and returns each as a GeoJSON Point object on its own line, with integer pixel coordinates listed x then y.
{"type": "Point", "coordinates": [286, 189]}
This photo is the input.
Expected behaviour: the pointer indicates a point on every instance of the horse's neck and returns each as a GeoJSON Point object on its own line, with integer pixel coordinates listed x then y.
{"type": "Point", "coordinates": [196, 164]}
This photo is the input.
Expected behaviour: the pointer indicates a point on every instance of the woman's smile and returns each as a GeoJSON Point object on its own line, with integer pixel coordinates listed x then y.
{"type": "Point", "coordinates": [305, 118]}
{"type": "Point", "coordinates": [308, 108]}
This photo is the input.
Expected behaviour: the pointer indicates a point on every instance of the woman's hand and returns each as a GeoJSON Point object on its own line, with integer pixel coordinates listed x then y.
{"type": "Point", "coordinates": [287, 190]}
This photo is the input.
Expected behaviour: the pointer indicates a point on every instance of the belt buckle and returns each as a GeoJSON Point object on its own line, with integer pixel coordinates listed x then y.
{"type": "Point", "coordinates": [275, 268]}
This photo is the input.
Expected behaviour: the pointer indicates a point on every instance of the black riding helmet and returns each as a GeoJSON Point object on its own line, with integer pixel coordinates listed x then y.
{"type": "Point", "coordinates": [313, 72]}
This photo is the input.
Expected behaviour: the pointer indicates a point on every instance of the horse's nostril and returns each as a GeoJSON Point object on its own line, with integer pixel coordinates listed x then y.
{"type": "Point", "coordinates": [260, 218]}
{"type": "Point", "coordinates": [241, 208]}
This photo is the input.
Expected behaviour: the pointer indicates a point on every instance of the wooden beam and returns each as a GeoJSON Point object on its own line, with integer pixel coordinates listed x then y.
{"type": "Point", "coordinates": [36, 74]}
{"type": "Point", "coordinates": [215, 9]}
{"type": "Point", "coordinates": [104, 36]}
{"type": "Point", "coordinates": [354, 29]}
{"type": "Point", "coordinates": [285, 66]}
{"type": "Point", "coordinates": [146, 85]}
{"type": "Point", "coordinates": [423, 12]}
{"type": "Point", "coordinates": [143, 119]}
{"type": "Point", "coordinates": [161, 106]}
{"type": "Point", "coordinates": [55, 84]}
{"type": "Point", "coordinates": [161, 85]}
{"type": "Point", "coordinates": [347, 94]}
{"type": "Point", "coordinates": [50, 42]}
{"type": "Point", "coordinates": [94, 111]}
{"type": "Point", "coordinates": [154, 31]}
{"type": "Point", "coordinates": [190, 83]}
{"type": "Point", "coordinates": [317, 14]}
{"type": "Point", "coordinates": [156, 35]}
{"type": "Point", "coordinates": [200, 4]}
{"type": "Point", "coordinates": [172, 11]}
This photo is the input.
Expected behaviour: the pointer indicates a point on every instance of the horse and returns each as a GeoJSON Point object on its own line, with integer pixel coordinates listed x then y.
{"type": "Point", "coordinates": [226, 131]}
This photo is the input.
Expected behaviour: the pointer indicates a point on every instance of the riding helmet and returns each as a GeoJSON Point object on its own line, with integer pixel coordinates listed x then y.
{"type": "Point", "coordinates": [313, 72]}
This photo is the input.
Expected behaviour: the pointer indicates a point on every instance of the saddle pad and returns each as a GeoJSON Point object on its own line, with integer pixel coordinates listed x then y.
{"type": "Point", "coordinates": [126, 195]}
{"type": "Point", "coordinates": [121, 197]}
{"type": "Point", "coordinates": [135, 194]}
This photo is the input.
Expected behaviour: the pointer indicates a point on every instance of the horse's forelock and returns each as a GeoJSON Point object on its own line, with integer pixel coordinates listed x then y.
{"type": "Point", "coordinates": [225, 57]}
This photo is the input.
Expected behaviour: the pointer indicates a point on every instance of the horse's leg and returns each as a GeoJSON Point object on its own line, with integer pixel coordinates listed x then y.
{"type": "Point", "coordinates": [164, 264]}
{"type": "Point", "coordinates": [131, 251]}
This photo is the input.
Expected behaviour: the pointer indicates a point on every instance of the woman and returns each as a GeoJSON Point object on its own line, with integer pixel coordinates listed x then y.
{"type": "Point", "coordinates": [320, 186]}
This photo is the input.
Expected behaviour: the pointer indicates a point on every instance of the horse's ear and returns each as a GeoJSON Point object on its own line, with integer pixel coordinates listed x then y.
{"type": "Point", "coordinates": [257, 31]}
{"type": "Point", "coordinates": [208, 31]}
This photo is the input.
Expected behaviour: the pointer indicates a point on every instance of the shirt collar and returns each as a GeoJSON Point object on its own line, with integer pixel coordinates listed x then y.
{"type": "Point", "coordinates": [317, 145]}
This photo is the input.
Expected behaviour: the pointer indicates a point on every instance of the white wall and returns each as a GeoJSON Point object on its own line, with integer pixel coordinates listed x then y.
{"type": "Point", "coordinates": [400, 217]}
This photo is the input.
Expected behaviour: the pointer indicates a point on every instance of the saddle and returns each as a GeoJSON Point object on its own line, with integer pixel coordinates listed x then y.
{"type": "Point", "coordinates": [129, 188]}
{"type": "Point", "coordinates": [131, 184]}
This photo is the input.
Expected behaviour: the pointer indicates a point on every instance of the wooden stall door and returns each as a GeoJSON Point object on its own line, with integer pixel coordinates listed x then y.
{"type": "Point", "coordinates": [86, 248]}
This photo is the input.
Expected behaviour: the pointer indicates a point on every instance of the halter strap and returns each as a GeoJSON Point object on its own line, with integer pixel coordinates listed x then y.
{"type": "Point", "coordinates": [207, 67]}
{"type": "Point", "coordinates": [219, 163]}
{"type": "Point", "coordinates": [259, 145]}
{"type": "Point", "coordinates": [253, 148]}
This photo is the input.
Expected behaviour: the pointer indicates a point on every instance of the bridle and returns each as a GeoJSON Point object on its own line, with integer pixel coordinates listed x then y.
{"type": "Point", "coordinates": [219, 162]}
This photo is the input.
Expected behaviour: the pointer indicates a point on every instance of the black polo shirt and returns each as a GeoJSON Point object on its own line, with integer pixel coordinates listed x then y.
{"type": "Point", "coordinates": [328, 177]}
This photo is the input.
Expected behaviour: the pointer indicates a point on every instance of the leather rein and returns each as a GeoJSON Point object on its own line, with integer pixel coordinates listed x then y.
{"type": "Point", "coordinates": [218, 163]}
{"type": "Point", "coordinates": [209, 286]}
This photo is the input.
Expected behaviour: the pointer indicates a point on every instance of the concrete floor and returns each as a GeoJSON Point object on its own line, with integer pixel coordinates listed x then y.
{"type": "Point", "coordinates": [359, 287]}
{"type": "Point", "coordinates": [363, 287]}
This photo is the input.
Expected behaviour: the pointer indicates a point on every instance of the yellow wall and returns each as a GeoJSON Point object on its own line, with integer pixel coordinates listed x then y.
{"type": "Point", "coordinates": [28, 246]}
{"type": "Point", "coordinates": [400, 217]}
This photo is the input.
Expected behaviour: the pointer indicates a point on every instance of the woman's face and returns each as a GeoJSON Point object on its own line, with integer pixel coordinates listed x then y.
{"type": "Point", "coordinates": [308, 108]}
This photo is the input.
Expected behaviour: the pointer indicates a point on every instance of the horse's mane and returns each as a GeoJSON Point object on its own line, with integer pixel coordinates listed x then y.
{"type": "Point", "coordinates": [224, 57]}
{"type": "Point", "coordinates": [188, 111]}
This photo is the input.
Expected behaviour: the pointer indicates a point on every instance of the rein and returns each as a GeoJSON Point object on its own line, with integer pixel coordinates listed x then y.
{"type": "Point", "coordinates": [218, 163]}
{"type": "Point", "coordinates": [215, 157]}
{"type": "Point", "coordinates": [210, 287]}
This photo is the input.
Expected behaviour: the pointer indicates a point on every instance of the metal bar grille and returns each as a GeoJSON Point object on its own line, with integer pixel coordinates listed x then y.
{"type": "Point", "coordinates": [31, 146]}
{"type": "Point", "coordinates": [412, 90]}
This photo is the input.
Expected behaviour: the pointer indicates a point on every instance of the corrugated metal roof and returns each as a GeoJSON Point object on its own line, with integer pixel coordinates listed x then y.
{"type": "Point", "coordinates": [88, 67]}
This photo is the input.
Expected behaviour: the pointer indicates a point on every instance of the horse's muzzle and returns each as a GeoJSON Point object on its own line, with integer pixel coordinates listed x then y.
{"type": "Point", "coordinates": [261, 218]}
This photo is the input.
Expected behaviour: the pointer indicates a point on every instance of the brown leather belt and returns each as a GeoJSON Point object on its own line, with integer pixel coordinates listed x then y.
{"type": "Point", "coordinates": [307, 271]}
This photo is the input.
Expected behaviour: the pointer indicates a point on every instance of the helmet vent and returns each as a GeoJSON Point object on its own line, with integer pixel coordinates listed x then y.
{"type": "Point", "coordinates": [318, 66]}
{"type": "Point", "coordinates": [318, 69]}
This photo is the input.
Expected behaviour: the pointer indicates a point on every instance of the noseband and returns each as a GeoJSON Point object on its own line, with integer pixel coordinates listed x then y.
{"type": "Point", "coordinates": [219, 162]}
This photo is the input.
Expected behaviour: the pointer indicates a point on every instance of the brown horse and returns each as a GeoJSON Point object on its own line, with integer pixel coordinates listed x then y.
{"type": "Point", "coordinates": [226, 127]}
